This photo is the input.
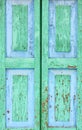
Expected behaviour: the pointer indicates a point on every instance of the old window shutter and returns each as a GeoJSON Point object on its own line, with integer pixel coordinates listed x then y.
{"type": "Point", "coordinates": [25, 70]}
{"type": "Point", "coordinates": [19, 65]}
{"type": "Point", "coordinates": [62, 71]}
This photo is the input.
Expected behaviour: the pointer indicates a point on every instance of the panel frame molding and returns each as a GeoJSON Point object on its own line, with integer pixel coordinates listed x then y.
{"type": "Point", "coordinates": [52, 29]}
{"type": "Point", "coordinates": [9, 82]}
{"type": "Point", "coordinates": [30, 51]}
{"type": "Point", "coordinates": [51, 113]}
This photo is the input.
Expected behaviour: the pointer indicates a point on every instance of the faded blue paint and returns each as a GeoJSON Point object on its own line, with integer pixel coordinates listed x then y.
{"type": "Point", "coordinates": [20, 2]}
{"type": "Point", "coordinates": [9, 82]}
{"type": "Point", "coordinates": [51, 112]}
{"type": "Point", "coordinates": [52, 28]}
{"type": "Point", "coordinates": [64, 2]}
{"type": "Point", "coordinates": [30, 42]}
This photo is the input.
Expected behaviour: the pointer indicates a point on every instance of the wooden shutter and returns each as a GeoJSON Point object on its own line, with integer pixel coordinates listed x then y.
{"type": "Point", "coordinates": [62, 65]}
{"type": "Point", "coordinates": [19, 65]}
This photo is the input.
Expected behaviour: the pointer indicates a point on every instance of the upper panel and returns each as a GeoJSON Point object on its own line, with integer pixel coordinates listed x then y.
{"type": "Point", "coordinates": [19, 28]}
{"type": "Point", "coordinates": [62, 28]}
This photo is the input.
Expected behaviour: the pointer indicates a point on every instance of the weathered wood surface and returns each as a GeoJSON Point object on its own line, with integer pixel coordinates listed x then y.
{"type": "Point", "coordinates": [61, 59]}
{"type": "Point", "coordinates": [18, 90]}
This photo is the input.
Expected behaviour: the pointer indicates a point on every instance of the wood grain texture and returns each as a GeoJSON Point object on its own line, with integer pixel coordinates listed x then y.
{"type": "Point", "coordinates": [56, 60]}
{"type": "Point", "coordinates": [11, 99]}
{"type": "Point", "coordinates": [63, 129]}
{"type": "Point", "coordinates": [2, 68]}
{"type": "Point", "coordinates": [79, 84]}
{"type": "Point", "coordinates": [20, 27]}
{"type": "Point", "coordinates": [63, 25]}
{"type": "Point", "coordinates": [20, 98]}
{"type": "Point", "coordinates": [16, 63]}
{"type": "Point", "coordinates": [37, 64]}
{"type": "Point", "coordinates": [72, 63]}
{"type": "Point", "coordinates": [62, 29]}
{"type": "Point", "coordinates": [44, 109]}
{"type": "Point", "coordinates": [19, 63]}
{"type": "Point", "coordinates": [62, 98]}
{"type": "Point", "coordinates": [75, 63]}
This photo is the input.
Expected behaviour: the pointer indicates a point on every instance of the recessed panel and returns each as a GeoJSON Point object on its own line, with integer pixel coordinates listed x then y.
{"type": "Point", "coordinates": [19, 98]}
{"type": "Point", "coordinates": [63, 16]}
{"type": "Point", "coordinates": [62, 98]}
{"type": "Point", "coordinates": [19, 29]}
{"type": "Point", "coordinates": [62, 28]}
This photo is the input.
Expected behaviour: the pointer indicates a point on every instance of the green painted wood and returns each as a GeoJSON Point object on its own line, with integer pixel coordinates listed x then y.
{"type": "Point", "coordinates": [79, 84]}
{"type": "Point", "coordinates": [63, 28]}
{"type": "Point", "coordinates": [20, 27]}
{"type": "Point", "coordinates": [17, 63]}
{"type": "Point", "coordinates": [63, 129]}
{"type": "Point", "coordinates": [62, 92]}
{"type": "Point", "coordinates": [20, 98]}
{"type": "Point", "coordinates": [44, 119]}
{"type": "Point", "coordinates": [75, 63]}
{"type": "Point", "coordinates": [72, 63]}
{"type": "Point", "coordinates": [37, 63]}
{"type": "Point", "coordinates": [60, 63]}
{"type": "Point", "coordinates": [2, 68]}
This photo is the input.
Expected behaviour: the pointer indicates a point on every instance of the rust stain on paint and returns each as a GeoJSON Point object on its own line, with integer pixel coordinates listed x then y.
{"type": "Point", "coordinates": [71, 67]}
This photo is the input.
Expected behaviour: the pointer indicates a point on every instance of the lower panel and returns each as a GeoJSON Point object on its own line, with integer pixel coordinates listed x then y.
{"type": "Point", "coordinates": [62, 98]}
{"type": "Point", "coordinates": [20, 98]}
